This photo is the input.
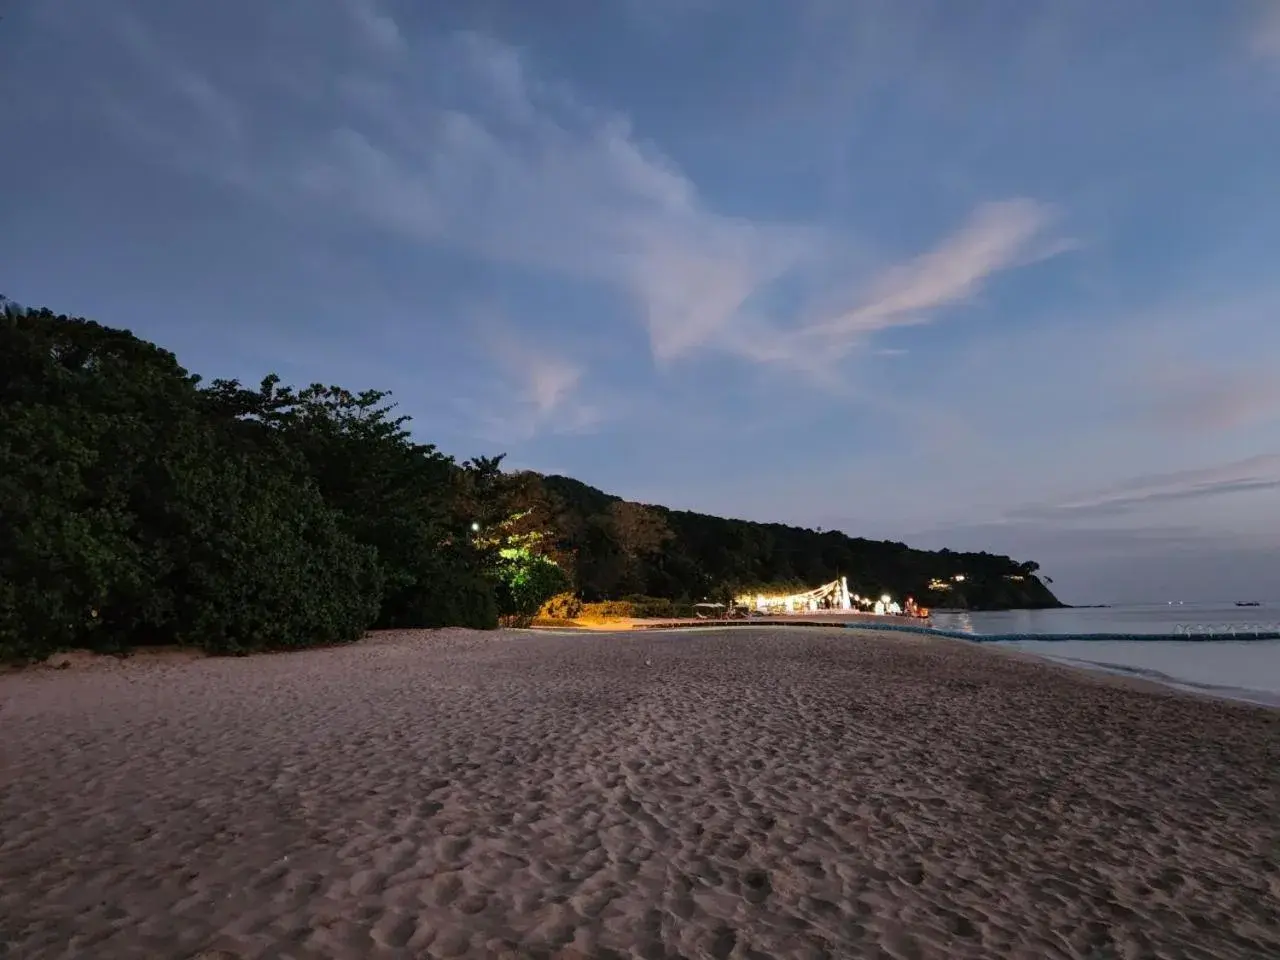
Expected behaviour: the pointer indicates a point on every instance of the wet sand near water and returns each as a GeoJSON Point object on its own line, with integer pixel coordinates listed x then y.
{"type": "Point", "coordinates": [741, 793]}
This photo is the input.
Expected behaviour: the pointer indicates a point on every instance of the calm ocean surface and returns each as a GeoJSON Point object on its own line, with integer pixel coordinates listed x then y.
{"type": "Point", "coordinates": [1232, 665]}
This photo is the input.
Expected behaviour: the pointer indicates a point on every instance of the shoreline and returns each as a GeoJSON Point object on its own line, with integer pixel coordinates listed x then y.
{"type": "Point", "coordinates": [722, 793]}
{"type": "Point", "coordinates": [80, 660]}
{"type": "Point", "coordinates": [1115, 678]}
{"type": "Point", "coordinates": [1266, 699]}
{"type": "Point", "coordinates": [1143, 679]}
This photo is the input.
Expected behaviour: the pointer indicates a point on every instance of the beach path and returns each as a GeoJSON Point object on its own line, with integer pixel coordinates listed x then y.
{"type": "Point", "coordinates": [744, 793]}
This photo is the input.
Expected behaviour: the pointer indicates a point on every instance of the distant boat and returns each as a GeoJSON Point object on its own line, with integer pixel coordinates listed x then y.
{"type": "Point", "coordinates": [1248, 603]}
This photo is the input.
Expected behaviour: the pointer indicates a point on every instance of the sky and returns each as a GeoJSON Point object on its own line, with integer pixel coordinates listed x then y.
{"type": "Point", "coordinates": [998, 275]}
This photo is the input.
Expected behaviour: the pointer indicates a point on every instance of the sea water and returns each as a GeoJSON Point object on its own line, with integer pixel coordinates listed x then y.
{"type": "Point", "coordinates": [1218, 649]}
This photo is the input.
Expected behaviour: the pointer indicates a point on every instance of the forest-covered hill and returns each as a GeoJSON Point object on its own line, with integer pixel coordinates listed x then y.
{"type": "Point", "coordinates": [141, 505]}
{"type": "Point", "coordinates": [615, 548]}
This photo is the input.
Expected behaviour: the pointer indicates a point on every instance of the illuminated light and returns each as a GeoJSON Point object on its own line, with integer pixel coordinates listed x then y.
{"type": "Point", "coordinates": [475, 527]}
{"type": "Point", "coordinates": [885, 599]}
{"type": "Point", "coordinates": [834, 595]}
{"type": "Point", "coordinates": [959, 578]}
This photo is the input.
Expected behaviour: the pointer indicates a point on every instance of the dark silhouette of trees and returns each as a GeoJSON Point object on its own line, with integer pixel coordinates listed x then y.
{"type": "Point", "coordinates": [133, 512]}
{"type": "Point", "coordinates": [139, 506]}
{"type": "Point", "coordinates": [681, 555]}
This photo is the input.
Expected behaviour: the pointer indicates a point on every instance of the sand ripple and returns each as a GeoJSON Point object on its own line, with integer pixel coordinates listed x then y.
{"type": "Point", "coordinates": [736, 794]}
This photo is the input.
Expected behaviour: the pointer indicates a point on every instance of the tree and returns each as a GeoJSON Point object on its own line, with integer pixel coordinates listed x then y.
{"type": "Point", "coordinates": [613, 546]}
{"type": "Point", "coordinates": [525, 582]}
{"type": "Point", "coordinates": [408, 501]}
{"type": "Point", "coordinates": [640, 530]}
{"type": "Point", "coordinates": [139, 506]}
{"type": "Point", "coordinates": [133, 514]}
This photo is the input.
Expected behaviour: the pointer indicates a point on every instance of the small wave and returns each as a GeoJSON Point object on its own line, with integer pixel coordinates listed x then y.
{"type": "Point", "coordinates": [1226, 629]}
{"type": "Point", "coordinates": [1126, 668]}
{"type": "Point", "coordinates": [1186, 636]}
{"type": "Point", "coordinates": [1266, 697]}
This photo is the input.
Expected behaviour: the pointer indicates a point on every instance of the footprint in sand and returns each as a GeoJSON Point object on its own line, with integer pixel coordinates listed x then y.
{"type": "Point", "coordinates": [961, 926]}
{"type": "Point", "coordinates": [823, 908]}
{"type": "Point", "coordinates": [683, 907]}
{"type": "Point", "coordinates": [452, 848]}
{"type": "Point", "coordinates": [723, 943]}
{"type": "Point", "coordinates": [756, 887]}
{"type": "Point", "coordinates": [445, 889]}
{"type": "Point", "coordinates": [473, 903]}
{"type": "Point", "coordinates": [913, 874]}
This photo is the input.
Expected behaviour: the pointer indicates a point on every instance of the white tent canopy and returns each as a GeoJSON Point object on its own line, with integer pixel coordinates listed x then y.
{"type": "Point", "coordinates": [833, 595]}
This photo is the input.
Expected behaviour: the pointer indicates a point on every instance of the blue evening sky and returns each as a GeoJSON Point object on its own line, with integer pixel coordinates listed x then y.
{"type": "Point", "coordinates": [1000, 274]}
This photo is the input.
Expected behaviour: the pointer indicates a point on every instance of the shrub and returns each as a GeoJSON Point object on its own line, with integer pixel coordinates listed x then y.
{"type": "Point", "coordinates": [277, 574]}
{"type": "Point", "coordinates": [563, 606]}
{"type": "Point", "coordinates": [648, 608]}
{"type": "Point", "coordinates": [608, 609]}
{"type": "Point", "coordinates": [656, 608]}
{"type": "Point", "coordinates": [449, 597]}
{"type": "Point", "coordinates": [525, 581]}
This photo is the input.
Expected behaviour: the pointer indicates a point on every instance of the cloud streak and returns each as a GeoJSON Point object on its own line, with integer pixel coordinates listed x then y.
{"type": "Point", "coordinates": [475, 153]}
{"type": "Point", "coordinates": [1253, 474]}
{"type": "Point", "coordinates": [532, 178]}
{"type": "Point", "coordinates": [378, 29]}
{"type": "Point", "coordinates": [997, 237]}
{"type": "Point", "coordinates": [1264, 36]}
{"type": "Point", "coordinates": [203, 126]}
{"type": "Point", "coordinates": [539, 391]}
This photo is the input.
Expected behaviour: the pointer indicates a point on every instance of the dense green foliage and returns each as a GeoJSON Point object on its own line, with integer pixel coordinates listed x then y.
{"type": "Point", "coordinates": [524, 582]}
{"type": "Point", "coordinates": [138, 506]}
{"type": "Point", "coordinates": [619, 549]}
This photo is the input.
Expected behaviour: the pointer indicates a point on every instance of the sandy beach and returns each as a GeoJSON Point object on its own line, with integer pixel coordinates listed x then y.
{"type": "Point", "coordinates": [743, 793]}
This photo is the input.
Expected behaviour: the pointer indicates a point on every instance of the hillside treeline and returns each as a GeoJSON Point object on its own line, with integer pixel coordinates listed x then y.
{"type": "Point", "coordinates": [613, 548]}
{"type": "Point", "coordinates": [142, 506]}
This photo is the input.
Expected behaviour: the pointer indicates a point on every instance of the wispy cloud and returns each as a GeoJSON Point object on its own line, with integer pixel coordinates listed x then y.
{"type": "Point", "coordinates": [537, 391]}
{"type": "Point", "coordinates": [1032, 538]}
{"type": "Point", "coordinates": [473, 151]}
{"type": "Point", "coordinates": [377, 28]}
{"type": "Point", "coordinates": [202, 126]}
{"type": "Point", "coordinates": [526, 175]}
{"type": "Point", "coordinates": [1263, 37]}
{"type": "Point", "coordinates": [998, 236]}
{"type": "Point", "coordinates": [1258, 473]}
